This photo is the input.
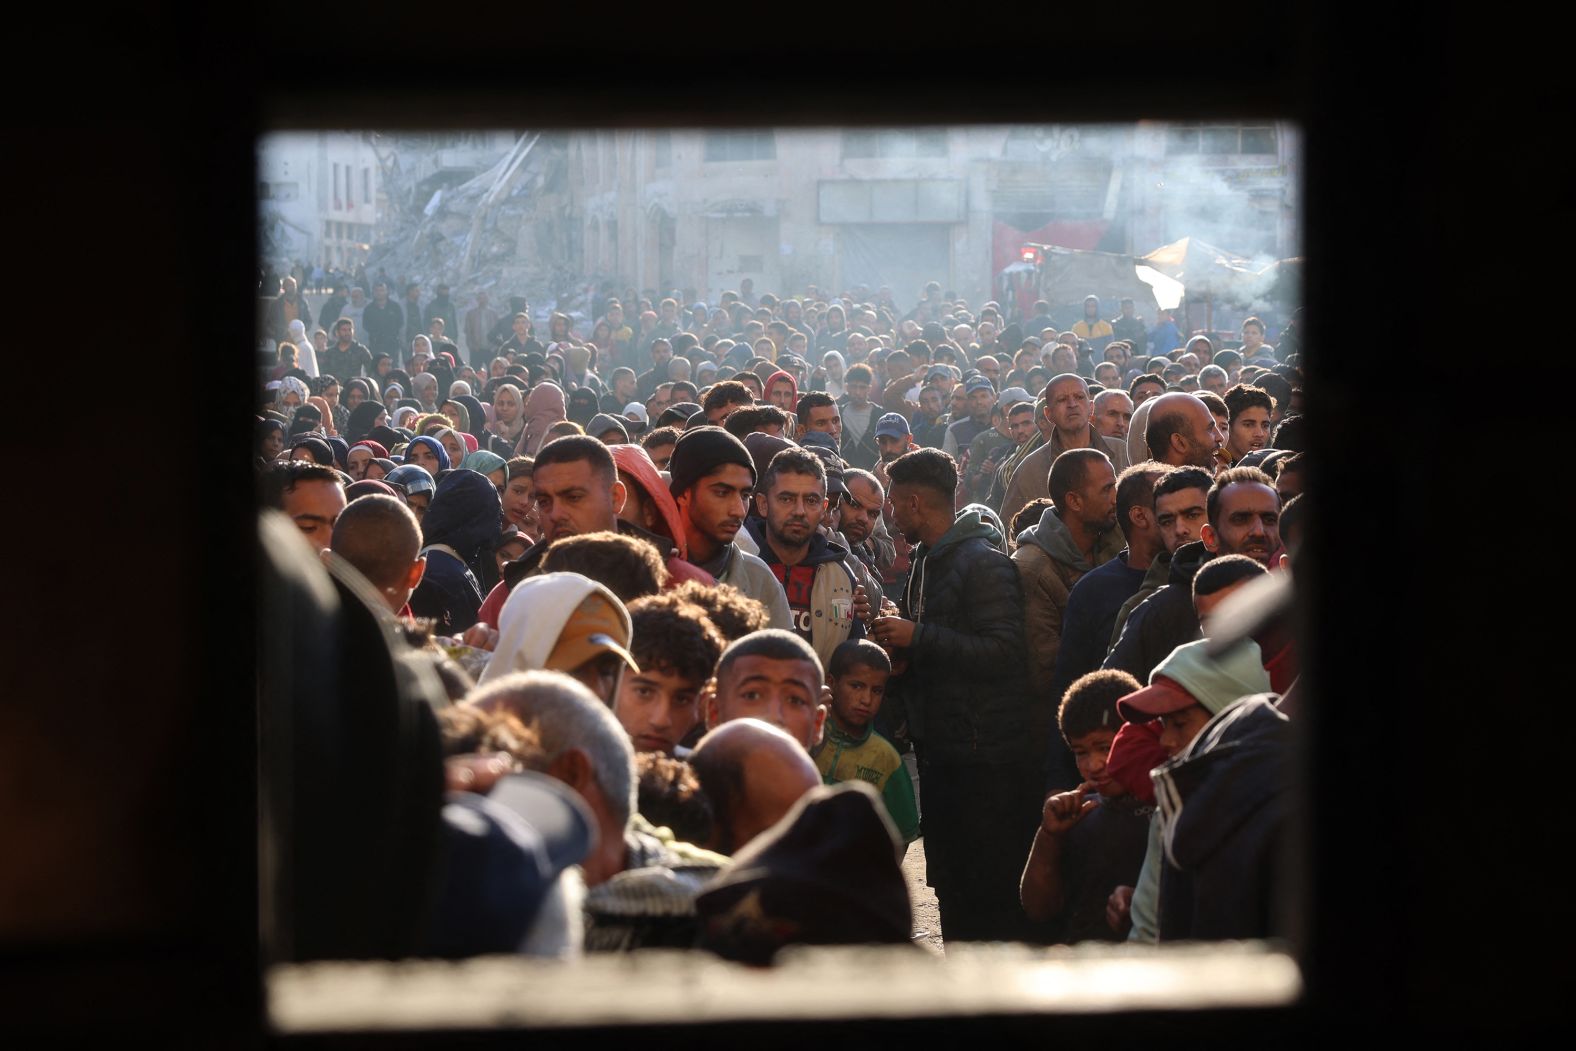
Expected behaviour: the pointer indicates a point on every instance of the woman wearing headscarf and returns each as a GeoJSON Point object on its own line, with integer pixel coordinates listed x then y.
{"type": "Point", "coordinates": [428, 454]}
{"type": "Point", "coordinates": [404, 416]}
{"type": "Point", "coordinates": [457, 388]}
{"type": "Point", "coordinates": [293, 394]}
{"type": "Point", "coordinates": [495, 467]}
{"type": "Point", "coordinates": [392, 396]}
{"type": "Point", "coordinates": [832, 362]}
{"type": "Point", "coordinates": [382, 365]}
{"type": "Point", "coordinates": [307, 419]}
{"type": "Point", "coordinates": [457, 414]}
{"type": "Point", "coordinates": [543, 408]}
{"type": "Point", "coordinates": [458, 531]}
{"type": "Point", "coordinates": [476, 412]}
{"type": "Point", "coordinates": [357, 390]}
{"type": "Point", "coordinates": [270, 442]}
{"type": "Point", "coordinates": [424, 386]}
{"type": "Point", "coordinates": [584, 403]}
{"type": "Point", "coordinates": [325, 413]}
{"type": "Point", "coordinates": [453, 444]}
{"type": "Point", "coordinates": [363, 418]}
{"type": "Point", "coordinates": [508, 420]}
{"type": "Point", "coordinates": [306, 354]}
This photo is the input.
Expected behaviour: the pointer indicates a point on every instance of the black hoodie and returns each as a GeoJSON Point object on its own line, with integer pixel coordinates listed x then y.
{"type": "Point", "coordinates": [1164, 620]}
{"type": "Point", "coordinates": [465, 518]}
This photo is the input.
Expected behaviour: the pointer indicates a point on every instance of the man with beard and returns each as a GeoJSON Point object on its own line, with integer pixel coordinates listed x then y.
{"type": "Point", "coordinates": [1113, 413]}
{"type": "Point", "coordinates": [821, 590]}
{"type": "Point", "coordinates": [958, 649]}
{"type": "Point", "coordinates": [1182, 432]}
{"type": "Point", "coordinates": [1074, 535]}
{"type": "Point", "coordinates": [712, 478]}
{"type": "Point", "coordinates": [1067, 409]}
{"type": "Point", "coordinates": [1242, 518]}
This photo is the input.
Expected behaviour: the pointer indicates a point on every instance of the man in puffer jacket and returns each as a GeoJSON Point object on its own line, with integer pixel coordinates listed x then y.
{"type": "Point", "coordinates": [1074, 535]}
{"type": "Point", "coordinates": [959, 648]}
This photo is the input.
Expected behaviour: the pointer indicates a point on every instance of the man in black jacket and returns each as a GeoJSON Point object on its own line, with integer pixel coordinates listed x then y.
{"type": "Point", "coordinates": [959, 646]}
{"type": "Point", "coordinates": [382, 321]}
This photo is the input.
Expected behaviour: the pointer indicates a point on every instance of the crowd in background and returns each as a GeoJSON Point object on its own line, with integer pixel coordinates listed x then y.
{"type": "Point", "coordinates": [730, 602]}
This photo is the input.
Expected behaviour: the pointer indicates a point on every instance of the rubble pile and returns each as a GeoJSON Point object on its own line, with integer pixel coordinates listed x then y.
{"type": "Point", "coordinates": [486, 233]}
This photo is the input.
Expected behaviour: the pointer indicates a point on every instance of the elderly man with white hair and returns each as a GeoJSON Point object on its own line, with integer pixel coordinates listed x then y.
{"type": "Point", "coordinates": [642, 886]}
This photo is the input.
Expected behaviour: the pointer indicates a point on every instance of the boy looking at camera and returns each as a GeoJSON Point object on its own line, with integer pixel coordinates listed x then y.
{"type": "Point", "coordinates": [851, 749]}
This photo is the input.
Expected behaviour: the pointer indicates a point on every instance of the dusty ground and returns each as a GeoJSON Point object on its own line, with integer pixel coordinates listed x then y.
{"type": "Point", "coordinates": [927, 921]}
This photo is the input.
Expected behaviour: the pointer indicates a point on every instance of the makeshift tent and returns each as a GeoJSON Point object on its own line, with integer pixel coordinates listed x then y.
{"type": "Point", "coordinates": [1067, 275]}
{"type": "Point", "coordinates": [1205, 270]}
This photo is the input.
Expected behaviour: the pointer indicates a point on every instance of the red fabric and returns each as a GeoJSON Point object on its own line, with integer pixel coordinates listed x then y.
{"type": "Point", "coordinates": [492, 605]}
{"type": "Point", "coordinates": [471, 444]}
{"type": "Point", "coordinates": [679, 571]}
{"type": "Point", "coordinates": [636, 462]}
{"type": "Point", "coordinates": [781, 375]}
{"type": "Point", "coordinates": [378, 451]}
{"type": "Point", "coordinates": [1136, 751]}
{"type": "Point", "coordinates": [1007, 241]}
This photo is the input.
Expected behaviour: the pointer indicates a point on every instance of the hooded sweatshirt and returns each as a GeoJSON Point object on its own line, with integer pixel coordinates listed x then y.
{"type": "Point", "coordinates": [544, 406]}
{"type": "Point", "coordinates": [1050, 563]}
{"type": "Point", "coordinates": [1224, 803]}
{"type": "Point", "coordinates": [636, 462]}
{"type": "Point", "coordinates": [457, 532]}
{"type": "Point", "coordinates": [306, 354]}
{"type": "Point", "coordinates": [533, 617]}
{"type": "Point", "coordinates": [775, 377]}
{"type": "Point", "coordinates": [820, 591]}
{"type": "Point", "coordinates": [966, 689]}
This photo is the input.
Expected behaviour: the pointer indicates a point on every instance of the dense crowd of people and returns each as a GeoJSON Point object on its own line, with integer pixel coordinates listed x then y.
{"type": "Point", "coordinates": [730, 602]}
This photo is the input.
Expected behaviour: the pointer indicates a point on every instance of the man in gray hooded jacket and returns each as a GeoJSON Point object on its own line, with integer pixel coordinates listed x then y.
{"type": "Point", "coordinates": [1074, 535]}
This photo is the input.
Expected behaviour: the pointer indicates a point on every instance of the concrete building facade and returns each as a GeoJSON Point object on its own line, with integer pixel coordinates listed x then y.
{"type": "Point", "coordinates": [318, 197]}
{"type": "Point", "coordinates": [701, 210]}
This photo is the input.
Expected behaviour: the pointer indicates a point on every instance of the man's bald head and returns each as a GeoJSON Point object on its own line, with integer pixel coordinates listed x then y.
{"type": "Point", "coordinates": [1182, 431]}
{"type": "Point", "coordinates": [380, 537]}
{"type": "Point", "coordinates": [752, 774]}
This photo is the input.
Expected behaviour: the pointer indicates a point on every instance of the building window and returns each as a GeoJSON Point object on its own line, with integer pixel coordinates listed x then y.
{"type": "Point", "coordinates": [1258, 140]}
{"type": "Point", "coordinates": [366, 184]}
{"type": "Point", "coordinates": [337, 204]}
{"type": "Point", "coordinates": [1181, 140]}
{"type": "Point", "coordinates": [662, 149]}
{"type": "Point", "coordinates": [285, 191]}
{"type": "Point", "coordinates": [895, 142]}
{"type": "Point", "coordinates": [741, 146]}
{"type": "Point", "coordinates": [350, 197]}
{"type": "Point", "coordinates": [328, 229]}
{"type": "Point", "coordinates": [263, 191]}
{"type": "Point", "coordinates": [1220, 141]}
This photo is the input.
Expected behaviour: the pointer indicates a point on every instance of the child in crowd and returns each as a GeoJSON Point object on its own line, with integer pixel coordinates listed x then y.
{"type": "Point", "coordinates": [851, 749]}
{"type": "Point", "coordinates": [1092, 839]}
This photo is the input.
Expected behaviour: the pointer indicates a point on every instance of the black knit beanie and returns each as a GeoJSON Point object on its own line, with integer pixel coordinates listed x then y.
{"type": "Point", "coordinates": [700, 451]}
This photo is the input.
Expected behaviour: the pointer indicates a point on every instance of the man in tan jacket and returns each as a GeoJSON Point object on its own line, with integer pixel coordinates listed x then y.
{"type": "Point", "coordinates": [1067, 408]}
{"type": "Point", "coordinates": [1074, 535]}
